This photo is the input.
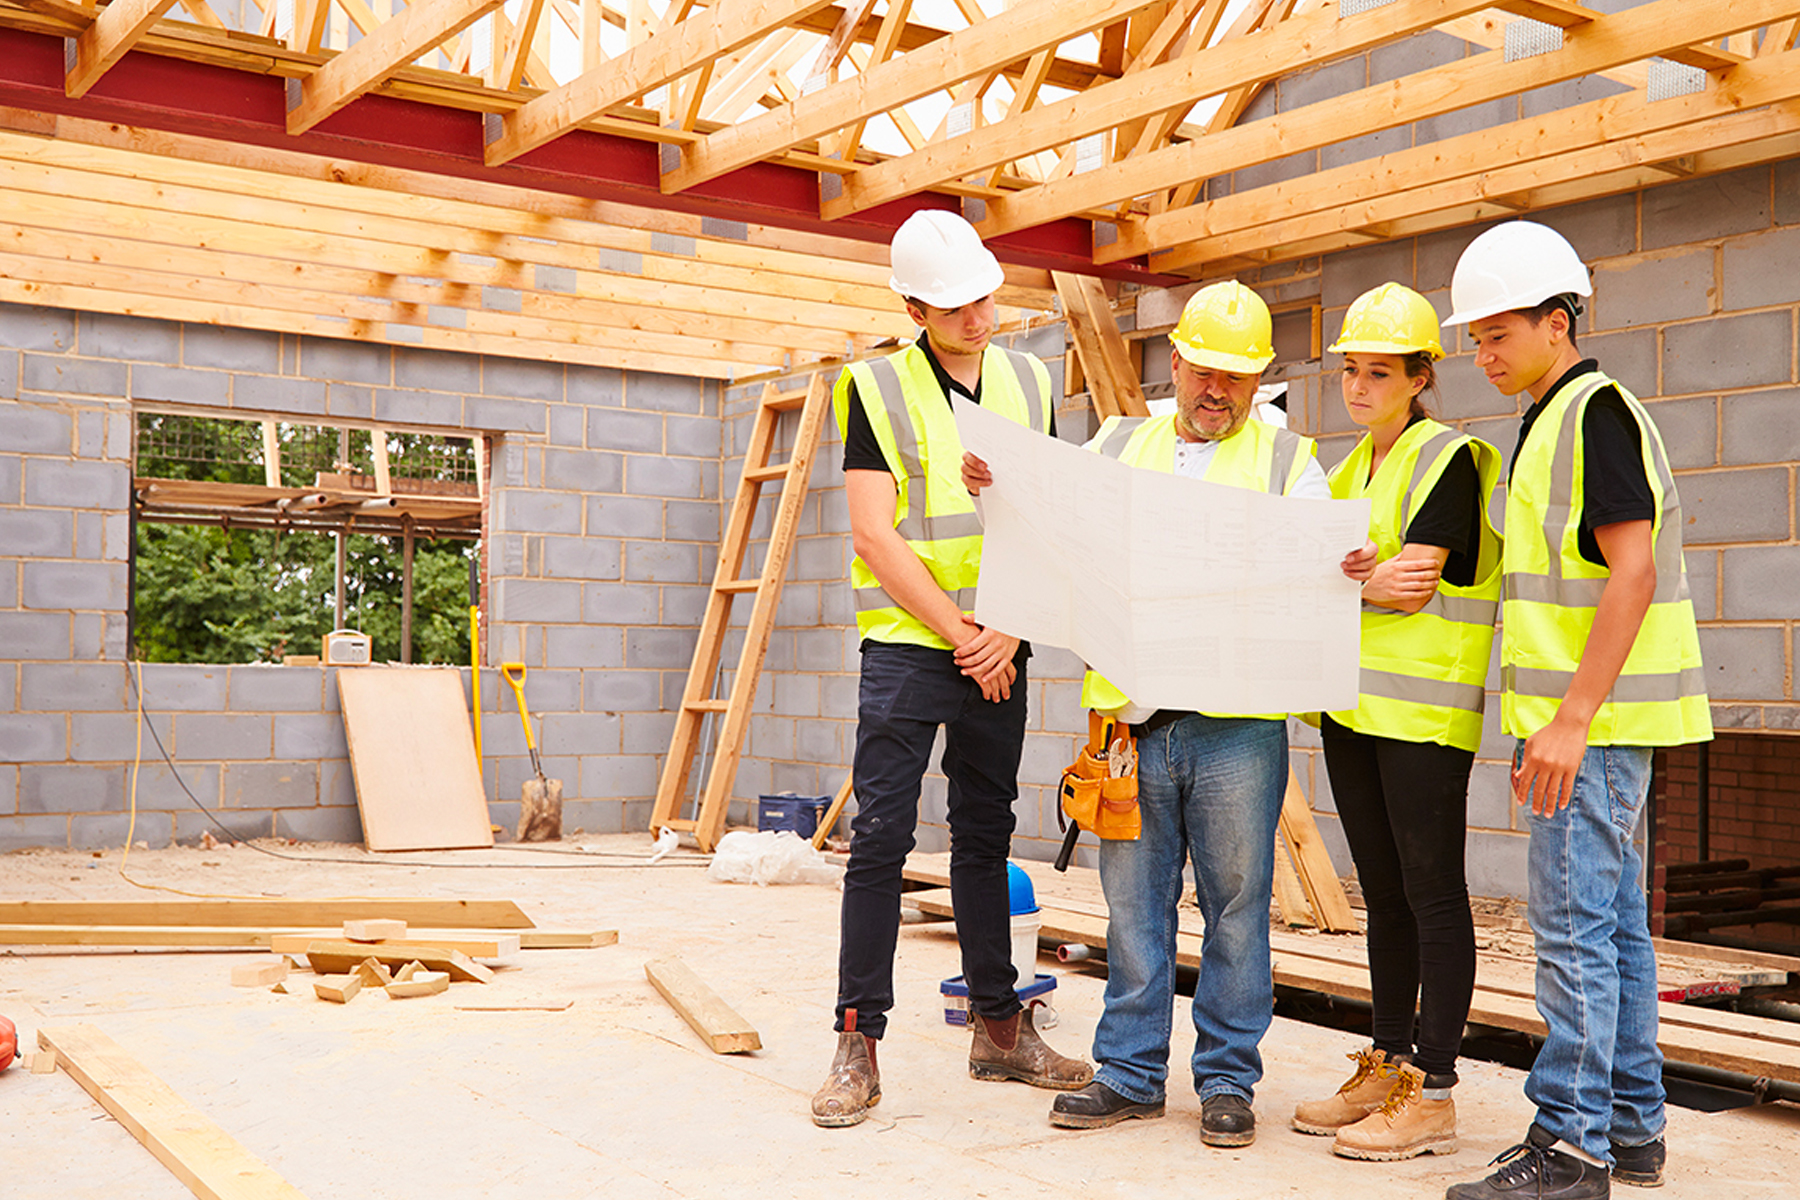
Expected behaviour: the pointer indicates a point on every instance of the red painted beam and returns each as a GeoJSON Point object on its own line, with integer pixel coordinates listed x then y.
{"type": "Point", "coordinates": [247, 107]}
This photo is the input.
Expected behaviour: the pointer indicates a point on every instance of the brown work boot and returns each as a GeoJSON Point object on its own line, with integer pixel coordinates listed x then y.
{"type": "Point", "coordinates": [1361, 1095]}
{"type": "Point", "coordinates": [1012, 1049]}
{"type": "Point", "coordinates": [854, 1085]}
{"type": "Point", "coordinates": [1406, 1124]}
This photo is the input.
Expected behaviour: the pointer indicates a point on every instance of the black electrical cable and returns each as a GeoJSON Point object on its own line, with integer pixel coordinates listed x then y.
{"type": "Point", "coordinates": [234, 839]}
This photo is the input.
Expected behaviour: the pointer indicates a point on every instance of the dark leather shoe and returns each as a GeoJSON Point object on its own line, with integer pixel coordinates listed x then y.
{"type": "Point", "coordinates": [1533, 1171]}
{"type": "Point", "coordinates": [1096, 1106]}
{"type": "Point", "coordinates": [1226, 1120]}
{"type": "Point", "coordinates": [1640, 1166]}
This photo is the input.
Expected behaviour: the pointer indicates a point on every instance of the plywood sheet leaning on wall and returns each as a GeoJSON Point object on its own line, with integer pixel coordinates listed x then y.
{"type": "Point", "coordinates": [418, 785]}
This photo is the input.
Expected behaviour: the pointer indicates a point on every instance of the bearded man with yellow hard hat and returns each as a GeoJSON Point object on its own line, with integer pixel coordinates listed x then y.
{"type": "Point", "coordinates": [1209, 784]}
{"type": "Point", "coordinates": [926, 663]}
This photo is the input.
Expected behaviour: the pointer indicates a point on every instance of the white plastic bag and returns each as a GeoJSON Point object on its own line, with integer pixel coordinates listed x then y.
{"type": "Point", "coordinates": [769, 857]}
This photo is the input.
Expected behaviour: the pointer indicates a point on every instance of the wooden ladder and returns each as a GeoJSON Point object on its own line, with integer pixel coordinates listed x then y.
{"type": "Point", "coordinates": [697, 698]}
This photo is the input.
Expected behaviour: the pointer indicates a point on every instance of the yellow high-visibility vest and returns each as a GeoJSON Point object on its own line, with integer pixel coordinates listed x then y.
{"type": "Point", "coordinates": [1260, 457]}
{"type": "Point", "coordinates": [1551, 592]}
{"type": "Point", "coordinates": [1424, 674]}
{"type": "Point", "coordinates": [933, 511]}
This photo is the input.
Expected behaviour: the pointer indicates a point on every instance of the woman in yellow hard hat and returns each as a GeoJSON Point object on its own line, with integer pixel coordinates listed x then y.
{"type": "Point", "coordinates": [1399, 762]}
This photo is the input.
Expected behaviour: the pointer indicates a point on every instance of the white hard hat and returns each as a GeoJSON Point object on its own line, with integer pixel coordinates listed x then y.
{"type": "Point", "coordinates": [938, 258]}
{"type": "Point", "coordinates": [1517, 265]}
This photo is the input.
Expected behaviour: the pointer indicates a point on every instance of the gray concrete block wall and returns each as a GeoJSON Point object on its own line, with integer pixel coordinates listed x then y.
{"type": "Point", "coordinates": [603, 528]}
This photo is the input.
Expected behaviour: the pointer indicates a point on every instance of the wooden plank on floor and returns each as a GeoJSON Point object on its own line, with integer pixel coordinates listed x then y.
{"type": "Point", "coordinates": [271, 913]}
{"type": "Point", "coordinates": [717, 1023]}
{"type": "Point", "coordinates": [503, 945]}
{"type": "Point", "coordinates": [412, 754]}
{"type": "Point", "coordinates": [340, 958]}
{"type": "Point", "coordinates": [1317, 875]}
{"type": "Point", "coordinates": [212, 1164]}
{"type": "Point", "coordinates": [293, 941]}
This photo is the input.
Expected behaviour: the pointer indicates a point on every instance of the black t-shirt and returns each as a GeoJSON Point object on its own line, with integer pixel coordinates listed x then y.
{"type": "Point", "coordinates": [1615, 487]}
{"type": "Point", "coordinates": [863, 453]}
{"type": "Point", "coordinates": [1450, 517]}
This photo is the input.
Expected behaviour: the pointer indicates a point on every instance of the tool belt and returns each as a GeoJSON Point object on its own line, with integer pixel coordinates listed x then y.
{"type": "Point", "coordinates": [1099, 789]}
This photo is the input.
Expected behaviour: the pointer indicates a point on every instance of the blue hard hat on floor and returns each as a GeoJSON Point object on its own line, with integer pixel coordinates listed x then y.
{"type": "Point", "coordinates": [1021, 898]}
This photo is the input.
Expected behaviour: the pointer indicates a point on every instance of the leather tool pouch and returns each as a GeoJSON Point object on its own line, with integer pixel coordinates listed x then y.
{"type": "Point", "coordinates": [1099, 789]}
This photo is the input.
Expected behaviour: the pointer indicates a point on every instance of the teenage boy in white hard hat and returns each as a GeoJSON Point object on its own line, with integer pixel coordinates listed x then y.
{"type": "Point", "coordinates": [926, 663]}
{"type": "Point", "coordinates": [1600, 663]}
{"type": "Point", "coordinates": [1209, 784]}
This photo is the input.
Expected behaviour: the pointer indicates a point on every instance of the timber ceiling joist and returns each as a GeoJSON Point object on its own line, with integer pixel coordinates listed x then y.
{"type": "Point", "coordinates": [778, 143]}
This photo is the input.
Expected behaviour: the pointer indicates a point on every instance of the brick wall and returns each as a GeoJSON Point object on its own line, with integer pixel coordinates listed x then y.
{"type": "Point", "coordinates": [1755, 809]}
{"type": "Point", "coordinates": [603, 517]}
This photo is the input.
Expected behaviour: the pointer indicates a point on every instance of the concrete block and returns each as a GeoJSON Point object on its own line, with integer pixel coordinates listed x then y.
{"type": "Point", "coordinates": [568, 425]}
{"type": "Point", "coordinates": [819, 650]}
{"type": "Point", "coordinates": [1294, 166]}
{"type": "Point", "coordinates": [90, 434]}
{"type": "Point", "coordinates": [522, 511]}
{"type": "Point", "coordinates": [1750, 505]}
{"type": "Point", "coordinates": [799, 605]}
{"type": "Point", "coordinates": [1321, 83]}
{"type": "Point", "coordinates": [1053, 662]}
{"type": "Point", "coordinates": [626, 516]}
{"type": "Point", "coordinates": [1346, 276]}
{"type": "Point", "coordinates": [692, 521]}
{"type": "Point", "coordinates": [78, 585]}
{"type": "Point", "coordinates": [213, 736]}
{"type": "Point", "coordinates": [303, 735]}
{"type": "Point", "coordinates": [679, 478]}
{"type": "Point", "coordinates": [55, 484]}
{"type": "Point", "coordinates": [796, 695]}
{"type": "Point", "coordinates": [187, 687]}
{"type": "Point", "coordinates": [418, 408]}
{"type": "Point", "coordinates": [256, 688]}
{"type": "Point", "coordinates": [112, 736]}
{"type": "Point", "coordinates": [278, 394]}
{"type": "Point", "coordinates": [90, 535]}
{"type": "Point", "coordinates": [664, 393]}
{"type": "Point", "coordinates": [183, 384]}
{"type": "Point", "coordinates": [64, 788]}
{"type": "Point", "coordinates": [230, 349]}
{"type": "Point", "coordinates": [1464, 391]}
{"type": "Point", "coordinates": [337, 823]}
{"type": "Point", "coordinates": [1744, 662]}
{"type": "Point", "coordinates": [1629, 357]}
{"type": "Point", "coordinates": [618, 775]}
{"type": "Point", "coordinates": [108, 832]}
{"type": "Point", "coordinates": [596, 816]}
{"type": "Point", "coordinates": [1707, 208]}
{"type": "Point", "coordinates": [9, 792]}
{"type": "Point", "coordinates": [337, 783]}
{"type": "Point", "coordinates": [73, 376]}
{"type": "Point", "coordinates": [1760, 427]}
{"type": "Point", "coordinates": [12, 473]}
{"type": "Point", "coordinates": [72, 687]}
{"type": "Point", "coordinates": [162, 790]}
{"type": "Point", "coordinates": [354, 400]}
{"type": "Point", "coordinates": [580, 734]}
{"type": "Point", "coordinates": [487, 412]}
{"type": "Point", "coordinates": [537, 600]}
{"type": "Point", "coordinates": [1568, 94]}
{"type": "Point", "coordinates": [1652, 291]}
{"type": "Point", "coordinates": [694, 436]}
{"type": "Point", "coordinates": [583, 646]}
{"type": "Point", "coordinates": [1490, 796]}
{"type": "Point", "coordinates": [9, 687]}
{"type": "Point", "coordinates": [34, 429]}
{"type": "Point", "coordinates": [1737, 716]}
{"type": "Point", "coordinates": [104, 335]}
{"type": "Point", "coordinates": [522, 378]}
{"type": "Point", "coordinates": [19, 833]}
{"type": "Point", "coordinates": [1474, 118]}
{"type": "Point", "coordinates": [583, 471]}
{"type": "Point", "coordinates": [29, 327]}
{"type": "Point", "coordinates": [619, 604]}
{"type": "Point", "coordinates": [1787, 193]}
{"type": "Point", "coordinates": [581, 558]}
{"type": "Point", "coordinates": [1758, 269]}
{"type": "Point", "coordinates": [347, 362]}
{"type": "Point", "coordinates": [1689, 430]}
{"type": "Point", "coordinates": [771, 737]}
{"type": "Point", "coordinates": [1497, 864]}
{"type": "Point", "coordinates": [1760, 583]}
{"type": "Point", "coordinates": [1365, 147]}
{"type": "Point", "coordinates": [1598, 229]}
{"type": "Point", "coordinates": [44, 532]}
{"type": "Point", "coordinates": [224, 826]}
{"type": "Point", "coordinates": [1419, 52]}
{"type": "Point", "coordinates": [1727, 353]}
{"type": "Point", "coordinates": [553, 279]}
{"type": "Point", "coordinates": [662, 562]}
{"type": "Point", "coordinates": [1703, 577]}
{"type": "Point", "coordinates": [599, 386]}
{"type": "Point", "coordinates": [659, 647]}
{"type": "Point", "coordinates": [502, 299]}
{"type": "Point", "coordinates": [615, 691]}
{"type": "Point", "coordinates": [271, 785]}
{"type": "Point", "coordinates": [838, 695]}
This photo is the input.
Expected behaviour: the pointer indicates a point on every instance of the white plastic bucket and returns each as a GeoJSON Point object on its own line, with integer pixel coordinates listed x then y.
{"type": "Point", "coordinates": [1025, 947]}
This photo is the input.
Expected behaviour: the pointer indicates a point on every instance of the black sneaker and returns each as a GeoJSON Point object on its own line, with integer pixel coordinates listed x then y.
{"type": "Point", "coordinates": [1532, 1170]}
{"type": "Point", "coordinates": [1096, 1106]}
{"type": "Point", "coordinates": [1226, 1120]}
{"type": "Point", "coordinates": [1640, 1166]}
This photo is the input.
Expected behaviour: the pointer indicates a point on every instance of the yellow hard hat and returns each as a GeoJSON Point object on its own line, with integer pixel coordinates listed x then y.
{"type": "Point", "coordinates": [1390, 319]}
{"type": "Point", "coordinates": [1225, 327]}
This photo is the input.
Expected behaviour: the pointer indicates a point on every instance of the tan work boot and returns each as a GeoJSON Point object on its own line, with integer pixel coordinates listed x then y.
{"type": "Point", "coordinates": [854, 1085]}
{"type": "Point", "coordinates": [1405, 1125]}
{"type": "Point", "coordinates": [1012, 1049]}
{"type": "Point", "coordinates": [1361, 1095]}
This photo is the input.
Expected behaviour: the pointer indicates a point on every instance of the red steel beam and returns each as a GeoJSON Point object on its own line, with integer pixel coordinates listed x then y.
{"type": "Point", "coordinates": [247, 107]}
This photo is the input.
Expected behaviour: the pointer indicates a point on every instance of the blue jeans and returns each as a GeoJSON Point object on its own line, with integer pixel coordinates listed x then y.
{"type": "Point", "coordinates": [1599, 1073]}
{"type": "Point", "coordinates": [1209, 789]}
{"type": "Point", "coordinates": [906, 693]}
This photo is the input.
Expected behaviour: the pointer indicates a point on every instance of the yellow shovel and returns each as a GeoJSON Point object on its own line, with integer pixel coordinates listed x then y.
{"type": "Point", "coordinates": [540, 807]}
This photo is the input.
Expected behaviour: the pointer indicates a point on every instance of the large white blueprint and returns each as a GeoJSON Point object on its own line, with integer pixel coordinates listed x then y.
{"type": "Point", "coordinates": [1186, 594]}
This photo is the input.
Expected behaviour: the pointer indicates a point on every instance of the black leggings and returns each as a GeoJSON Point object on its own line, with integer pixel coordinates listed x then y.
{"type": "Point", "coordinates": [1404, 807]}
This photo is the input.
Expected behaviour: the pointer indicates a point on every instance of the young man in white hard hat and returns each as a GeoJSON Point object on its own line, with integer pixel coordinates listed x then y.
{"type": "Point", "coordinates": [926, 663]}
{"type": "Point", "coordinates": [1209, 784]}
{"type": "Point", "coordinates": [1600, 663]}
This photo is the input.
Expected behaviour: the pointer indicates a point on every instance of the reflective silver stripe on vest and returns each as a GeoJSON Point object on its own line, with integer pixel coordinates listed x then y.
{"type": "Point", "coordinates": [1630, 689]}
{"type": "Point", "coordinates": [1428, 455]}
{"type": "Point", "coordinates": [1035, 400]}
{"type": "Point", "coordinates": [1287, 445]}
{"type": "Point", "coordinates": [868, 599]}
{"type": "Point", "coordinates": [1464, 610]}
{"type": "Point", "coordinates": [1114, 445]}
{"type": "Point", "coordinates": [915, 526]}
{"type": "Point", "coordinates": [1410, 688]}
{"type": "Point", "coordinates": [1583, 592]}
